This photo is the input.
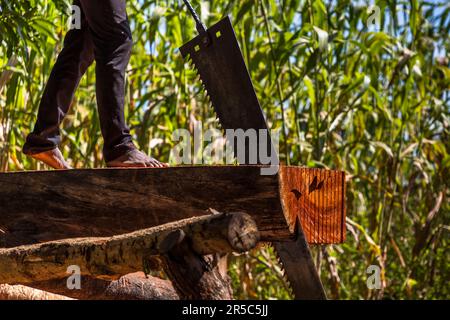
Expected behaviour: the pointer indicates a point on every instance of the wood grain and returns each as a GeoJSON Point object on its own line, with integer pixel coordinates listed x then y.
{"type": "Point", "coordinates": [315, 197]}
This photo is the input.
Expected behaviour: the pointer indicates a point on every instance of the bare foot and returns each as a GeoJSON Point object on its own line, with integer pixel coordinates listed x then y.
{"type": "Point", "coordinates": [52, 158]}
{"type": "Point", "coordinates": [135, 159]}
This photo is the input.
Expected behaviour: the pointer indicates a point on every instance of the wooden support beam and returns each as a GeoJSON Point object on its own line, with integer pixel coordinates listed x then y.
{"type": "Point", "coordinates": [109, 258]}
{"type": "Point", "coordinates": [52, 205]}
{"type": "Point", "coordinates": [195, 277]}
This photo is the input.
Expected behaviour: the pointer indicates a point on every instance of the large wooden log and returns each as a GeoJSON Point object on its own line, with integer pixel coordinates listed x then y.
{"type": "Point", "coordinates": [51, 205]}
{"type": "Point", "coordinates": [133, 286]}
{"type": "Point", "coordinates": [19, 292]}
{"type": "Point", "coordinates": [195, 277]}
{"type": "Point", "coordinates": [110, 258]}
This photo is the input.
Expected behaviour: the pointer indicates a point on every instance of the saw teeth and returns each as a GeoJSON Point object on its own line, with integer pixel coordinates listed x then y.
{"type": "Point", "coordinates": [283, 271]}
{"type": "Point", "coordinates": [198, 78]}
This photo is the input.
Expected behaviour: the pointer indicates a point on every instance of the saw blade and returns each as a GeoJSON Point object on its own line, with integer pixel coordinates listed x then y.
{"type": "Point", "coordinates": [226, 80]}
{"type": "Point", "coordinates": [218, 60]}
{"type": "Point", "coordinates": [299, 269]}
{"type": "Point", "coordinates": [282, 269]}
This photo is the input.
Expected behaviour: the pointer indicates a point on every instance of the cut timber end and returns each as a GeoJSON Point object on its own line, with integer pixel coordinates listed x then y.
{"type": "Point", "coordinates": [316, 197]}
{"type": "Point", "coordinates": [42, 206]}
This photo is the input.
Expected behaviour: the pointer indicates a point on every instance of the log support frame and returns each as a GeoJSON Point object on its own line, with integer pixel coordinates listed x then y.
{"type": "Point", "coordinates": [39, 207]}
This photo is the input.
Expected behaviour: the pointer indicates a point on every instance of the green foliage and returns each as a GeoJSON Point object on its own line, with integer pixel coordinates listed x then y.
{"type": "Point", "coordinates": [374, 103]}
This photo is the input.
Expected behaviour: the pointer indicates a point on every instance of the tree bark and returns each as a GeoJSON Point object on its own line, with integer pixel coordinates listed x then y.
{"type": "Point", "coordinates": [19, 292]}
{"type": "Point", "coordinates": [133, 286]}
{"type": "Point", "coordinates": [195, 277]}
{"type": "Point", "coordinates": [109, 258]}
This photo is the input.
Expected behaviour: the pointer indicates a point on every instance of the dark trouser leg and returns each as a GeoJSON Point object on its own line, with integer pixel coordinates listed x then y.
{"type": "Point", "coordinates": [72, 62]}
{"type": "Point", "coordinates": [111, 35]}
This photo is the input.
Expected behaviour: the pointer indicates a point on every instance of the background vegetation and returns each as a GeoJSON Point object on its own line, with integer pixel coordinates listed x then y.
{"type": "Point", "coordinates": [373, 101]}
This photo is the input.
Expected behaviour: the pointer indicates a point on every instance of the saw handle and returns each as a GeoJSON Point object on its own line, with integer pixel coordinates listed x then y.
{"type": "Point", "coordinates": [200, 26]}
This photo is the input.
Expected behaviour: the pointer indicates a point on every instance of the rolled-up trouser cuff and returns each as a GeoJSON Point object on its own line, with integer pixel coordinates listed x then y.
{"type": "Point", "coordinates": [118, 150]}
{"type": "Point", "coordinates": [35, 144]}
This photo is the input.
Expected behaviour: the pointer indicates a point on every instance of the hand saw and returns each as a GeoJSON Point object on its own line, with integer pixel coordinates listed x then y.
{"type": "Point", "coordinates": [216, 56]}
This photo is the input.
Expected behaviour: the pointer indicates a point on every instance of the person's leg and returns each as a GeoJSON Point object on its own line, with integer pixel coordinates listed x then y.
{"type": "Point", "coordinates": [111, 35]}
{"type": "Point", "coordinates": [72, 63]}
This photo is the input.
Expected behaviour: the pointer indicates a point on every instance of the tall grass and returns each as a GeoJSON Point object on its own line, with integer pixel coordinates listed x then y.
{"type": "Point", "coordinates": [373, 101]}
